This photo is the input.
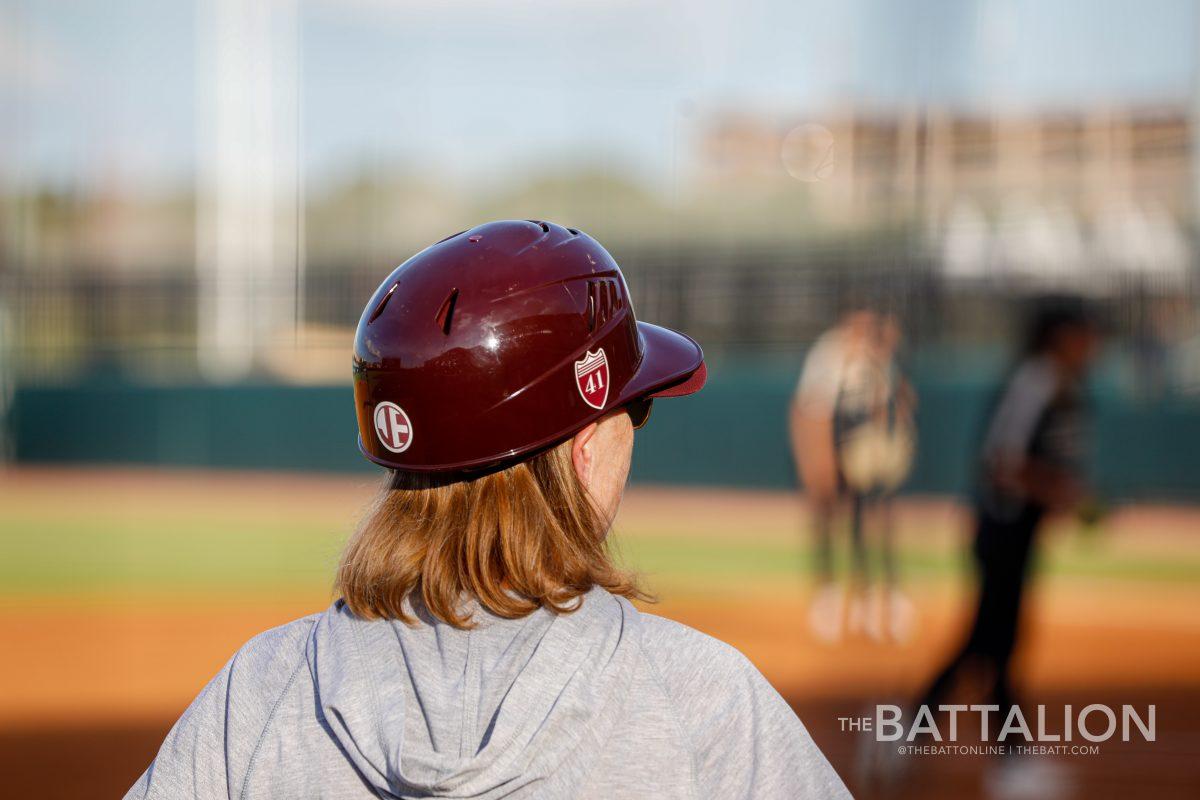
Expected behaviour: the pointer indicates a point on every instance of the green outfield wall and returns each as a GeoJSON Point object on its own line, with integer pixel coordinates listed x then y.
{"type": "Point", "coordinates": [731, 434]}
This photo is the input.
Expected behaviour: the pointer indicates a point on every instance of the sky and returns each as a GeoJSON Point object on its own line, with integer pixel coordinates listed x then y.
{"type": "Point", "coordinates": [476, 91]}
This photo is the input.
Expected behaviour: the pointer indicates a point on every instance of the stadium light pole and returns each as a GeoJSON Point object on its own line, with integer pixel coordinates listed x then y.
{"type": "Point", "coordinates": [247, 215]}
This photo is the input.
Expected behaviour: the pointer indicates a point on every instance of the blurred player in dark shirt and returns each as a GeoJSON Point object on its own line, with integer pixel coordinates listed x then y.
{"type": "Point", "coordinates": [1031, 465]}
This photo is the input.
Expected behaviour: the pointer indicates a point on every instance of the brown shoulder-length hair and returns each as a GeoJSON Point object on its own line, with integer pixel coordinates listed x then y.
{"type": "Point", "coordinates": [525, 537]}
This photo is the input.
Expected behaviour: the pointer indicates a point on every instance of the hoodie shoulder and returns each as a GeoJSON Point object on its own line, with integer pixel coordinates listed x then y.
{"type": "Point", "coordinates": [283, 642]}
{"type": "Point", "coordinates": [211, 749]}
{"type": "Point", "coordinates": [746, 740]}
{"type": "Point", "coordinates": [688, 661]}
{"type": "Point", "coordinates": [259, 675]}
{"type": "Point", "coordinates": [262, 670]}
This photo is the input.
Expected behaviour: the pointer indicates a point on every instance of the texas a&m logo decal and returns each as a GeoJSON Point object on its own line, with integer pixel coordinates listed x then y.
{"type": "Point", "coordinates": [591, 377]}
{"type": "Point", "coordinates": [393, 427]}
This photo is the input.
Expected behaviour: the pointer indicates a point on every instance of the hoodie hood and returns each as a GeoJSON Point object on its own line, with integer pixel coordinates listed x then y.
{"type": "Point", "coordinates": [431, 711]}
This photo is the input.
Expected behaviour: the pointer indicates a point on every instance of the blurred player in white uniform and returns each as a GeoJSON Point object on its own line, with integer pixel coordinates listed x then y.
{"type": "Point", "coordinates": [852, 438]}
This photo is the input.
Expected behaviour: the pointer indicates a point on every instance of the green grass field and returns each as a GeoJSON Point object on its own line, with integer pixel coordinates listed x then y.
{"type": "Point", "coordinates": [163, 535]}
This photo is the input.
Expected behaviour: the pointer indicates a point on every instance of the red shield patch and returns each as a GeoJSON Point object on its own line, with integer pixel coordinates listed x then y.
{"type": "Point", "coordinates": [591, 377]}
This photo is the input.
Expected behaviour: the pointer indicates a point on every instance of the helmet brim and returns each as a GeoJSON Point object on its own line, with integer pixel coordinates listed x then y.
{"type": "Point", "coordinates": [672, 365]}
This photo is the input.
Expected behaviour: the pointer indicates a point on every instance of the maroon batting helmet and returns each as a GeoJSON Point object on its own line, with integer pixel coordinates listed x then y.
{"type": "Point", "coordinates": [501, 341]}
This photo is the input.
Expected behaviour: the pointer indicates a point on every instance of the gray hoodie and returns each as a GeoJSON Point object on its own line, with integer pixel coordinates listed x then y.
{"type": "Point", "coordinates": [605, 702]}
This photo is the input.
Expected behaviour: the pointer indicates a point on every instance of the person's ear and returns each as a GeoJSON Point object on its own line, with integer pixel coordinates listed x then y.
{"type": "Point", "coordinates": [583, 454]}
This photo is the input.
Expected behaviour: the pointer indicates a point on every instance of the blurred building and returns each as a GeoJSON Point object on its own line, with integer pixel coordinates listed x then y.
{"type": "Point", "coordinates": [912, 162]}
{"type": "Point", "coordinates": [1044, 198]}
{"type": "Point", "coordinates": [954, 216]}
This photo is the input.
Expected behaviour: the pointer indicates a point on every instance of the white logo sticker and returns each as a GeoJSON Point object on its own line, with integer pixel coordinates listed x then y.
{"type": "Point", "coordinates": [393, 427]}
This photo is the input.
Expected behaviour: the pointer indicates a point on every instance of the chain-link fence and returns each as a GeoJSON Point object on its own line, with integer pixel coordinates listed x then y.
{"type": "Point", "coordinates": [732, 299]}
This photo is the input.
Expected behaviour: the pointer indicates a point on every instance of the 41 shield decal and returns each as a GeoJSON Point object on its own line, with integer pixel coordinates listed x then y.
{"type": "Point", "coordinates": [591, 377]}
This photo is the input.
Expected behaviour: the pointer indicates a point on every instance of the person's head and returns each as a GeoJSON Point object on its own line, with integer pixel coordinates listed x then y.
{"type": "Point", "coordinates": [1065, 331]}
{"type": "Point", "coordinates": [500, 375]}
{"type": "Point", "coordinates": [890, 333]}
{"type": "Point", "coordinates": [860, 324]}
{"type": "Point", "coordinates": [857, 315]}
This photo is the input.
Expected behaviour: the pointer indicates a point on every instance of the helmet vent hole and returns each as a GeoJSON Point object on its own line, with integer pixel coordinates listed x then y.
{"type": "Point", "coordinates": [600, 293]}
{"type": "Point", "coordinates": [573, 231]}
{"type": "Point", "coordinates": [600, 302]}
{"type": "Point", "coordinates": [382, 304]}
{"type": "Point", "coordinates": [545, 228]}
{"type": "Point", "coordinates": [445, 314]}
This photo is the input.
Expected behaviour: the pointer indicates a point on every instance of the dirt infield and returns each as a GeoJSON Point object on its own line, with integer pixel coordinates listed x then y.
{"type": "Point", "coordinates": [100, 674]}
{"type": "Point", "coordinates": [135, 669]}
